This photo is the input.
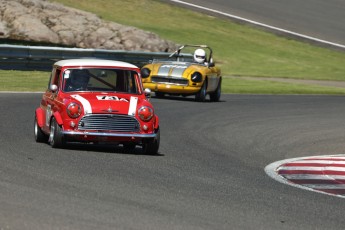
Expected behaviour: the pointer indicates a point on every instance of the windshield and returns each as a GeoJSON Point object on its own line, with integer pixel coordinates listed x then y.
{"type": "Point", "coordinates": [100, 79]}
{"type": "Point", "coordinates": [175, 58]}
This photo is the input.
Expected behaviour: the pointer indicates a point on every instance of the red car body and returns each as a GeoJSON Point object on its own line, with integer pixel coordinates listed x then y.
{"type": "Point", "coordinates": [109, 105]}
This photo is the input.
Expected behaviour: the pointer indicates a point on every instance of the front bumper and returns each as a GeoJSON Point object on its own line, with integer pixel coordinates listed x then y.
{"type": "Point", "coordinates": [104, 134]}
{"type": "Point", "coordinates": [107, 137]}
{"type": "Point", "coordinates": [172, 88]}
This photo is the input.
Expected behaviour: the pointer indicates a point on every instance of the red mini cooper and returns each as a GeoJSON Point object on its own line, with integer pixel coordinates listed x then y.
{"type": "Point", "coordinates": [96, 101]}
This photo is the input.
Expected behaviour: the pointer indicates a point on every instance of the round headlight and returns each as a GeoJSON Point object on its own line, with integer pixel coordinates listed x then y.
{"type": "Point", "coordinates": [145, 72]}
{"type": "Point", "coordinates": [196, 77]}
{"type": "Point", "coordinates": [145, 113]}
{"type": "Point", "coordinates": [73, 110]}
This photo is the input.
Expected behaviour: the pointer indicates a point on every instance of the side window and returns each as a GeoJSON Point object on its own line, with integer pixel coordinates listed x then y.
{"type": "Point", "coordinates": [51, 78]}
{"type": "Point", "coordinates": [131, 84]}
{"type": "Point", "coordinates": [55, 78]}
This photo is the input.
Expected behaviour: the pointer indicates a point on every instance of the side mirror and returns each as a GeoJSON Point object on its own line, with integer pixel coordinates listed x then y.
{"type": "Point", "coordinates": [147, 92]}
{"type": "Point", "coordinates": [53, 88]}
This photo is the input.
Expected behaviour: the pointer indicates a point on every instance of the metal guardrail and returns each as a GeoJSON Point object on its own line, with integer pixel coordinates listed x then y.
{"type": "Point", "coordinates": [13, 57]}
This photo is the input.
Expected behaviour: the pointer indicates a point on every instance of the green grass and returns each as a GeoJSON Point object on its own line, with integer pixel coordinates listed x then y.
{"type": "Point", "coordinates": [11, 80]}
{"type": "Point", "coordinates": [239, 50]}
{"type": "Point", "coordinates": [241, 86]}
{"type": "Point", "coordinates": [36, 81]}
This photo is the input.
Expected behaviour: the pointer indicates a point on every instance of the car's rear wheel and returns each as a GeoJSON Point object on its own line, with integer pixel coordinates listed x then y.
{"type": "Point", "coordinates": [151, 148]}
{"type": "Point", "coordinates": [56, 137]}
{"type": "Point", "coordinates": [201, 95]}
{"type": "Point", "coordinates": [215, 96]}
{"type": "Point", "coordinates": [39, 135]}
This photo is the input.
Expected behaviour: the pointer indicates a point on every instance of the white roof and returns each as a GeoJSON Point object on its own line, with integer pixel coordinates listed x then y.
{"type": "Point", "coordinates": [93, 63]}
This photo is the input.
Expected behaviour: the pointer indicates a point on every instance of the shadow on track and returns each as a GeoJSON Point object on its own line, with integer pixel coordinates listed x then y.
{"type": "Point", "coordinates": [106, 148]}
{"type": "Point", "coordinates": [182, 98]}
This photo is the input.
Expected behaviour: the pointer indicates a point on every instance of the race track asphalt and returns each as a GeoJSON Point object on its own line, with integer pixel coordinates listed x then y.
{"type": "Point", "coordinates": [209, 173]}
{"type": "Point", "coordinates": [316, 18]}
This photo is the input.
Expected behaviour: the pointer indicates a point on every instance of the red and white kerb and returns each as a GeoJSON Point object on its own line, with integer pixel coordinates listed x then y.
{"type": "Point", "coordinates": [324, 174]}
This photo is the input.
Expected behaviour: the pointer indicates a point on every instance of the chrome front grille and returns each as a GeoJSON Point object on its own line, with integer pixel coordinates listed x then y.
{"type": "Point", "coordinates": [109, 122]}
{"type": "Point", "coordinates": [165, 80]}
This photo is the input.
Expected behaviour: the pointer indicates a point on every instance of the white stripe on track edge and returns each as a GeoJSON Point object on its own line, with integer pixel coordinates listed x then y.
{"type": "Point", "coordinates": [260, 24]}
{"type": "Point", "coordinates": [320, 162]}
{"type": "Point", "coordinates": [307, 168]}
{"type": "Point", "coordinates": [325, 186]}
{"type": "Point", "coordinates": [312, 177]}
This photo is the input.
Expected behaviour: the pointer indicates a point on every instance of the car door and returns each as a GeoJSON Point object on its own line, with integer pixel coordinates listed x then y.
{"type": "Point", "coordinates": [49, 103]}
{"type": "Point", "coordinates": [212, 75]}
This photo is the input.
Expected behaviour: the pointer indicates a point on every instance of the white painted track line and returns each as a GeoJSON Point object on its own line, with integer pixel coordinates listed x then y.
{"type": "Point", "coordinates": [261, 24]}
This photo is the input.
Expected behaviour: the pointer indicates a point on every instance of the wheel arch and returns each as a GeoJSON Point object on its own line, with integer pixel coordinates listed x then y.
{"type": "Point", "coordinates": [156, 124]}
{"type": "Point", "coordinates": [206, 81]}
{"type": "Point", "coordinates": [57, 117]}
{"type": "Point", "coordinates": [39, 113]}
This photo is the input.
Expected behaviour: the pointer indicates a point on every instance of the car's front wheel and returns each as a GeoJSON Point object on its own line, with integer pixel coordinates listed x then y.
{"type": "Point", "coordinates": [56, 136]}
{"type": "Point", "coordinates": [39, 135]}
{"type": "Point", "coordinates": [151, 148]}
{"type": "Point", "coordinates": [201, 95]}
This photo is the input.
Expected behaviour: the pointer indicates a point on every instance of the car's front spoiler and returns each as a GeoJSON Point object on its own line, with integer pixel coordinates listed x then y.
{"type": "Point", "coordinates": [103, 134]}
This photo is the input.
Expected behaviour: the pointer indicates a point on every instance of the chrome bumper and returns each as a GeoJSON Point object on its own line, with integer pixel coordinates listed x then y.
{"type": "Point", "coordinates": [152, 135]}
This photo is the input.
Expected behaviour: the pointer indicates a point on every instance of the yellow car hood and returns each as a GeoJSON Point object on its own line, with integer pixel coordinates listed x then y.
{"type": "Point", "coordinates": [177, 70]}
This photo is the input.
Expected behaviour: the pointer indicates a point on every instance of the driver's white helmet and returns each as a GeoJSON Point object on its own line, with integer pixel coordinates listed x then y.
{"type": "Point", "coordinates": [199, 56]}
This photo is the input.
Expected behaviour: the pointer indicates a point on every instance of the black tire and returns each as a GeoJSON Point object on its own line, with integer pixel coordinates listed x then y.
{"type": "Point", "coordinates": [201, 95]}
{"type": "Point", "coordinates": [215, 96]}
{"type": "Point", "coordinates": [159, 94]}
{"type": "Point", "coordinates": [56, 137]}
{"type": "Point", "coordinates": [151, 148]}
{"type": "Point", "coordinates": [40, 136]}
{"type": "Point", "coordinates": [129, 147]}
